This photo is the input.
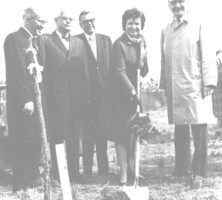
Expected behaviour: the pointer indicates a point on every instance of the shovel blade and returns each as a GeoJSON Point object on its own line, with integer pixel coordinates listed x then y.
{"type": "Point", "coordinates": [135, 193]}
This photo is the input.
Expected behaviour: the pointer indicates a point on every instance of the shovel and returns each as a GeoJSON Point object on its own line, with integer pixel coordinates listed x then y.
{"type": "Point", "coordinates": [136, 192]}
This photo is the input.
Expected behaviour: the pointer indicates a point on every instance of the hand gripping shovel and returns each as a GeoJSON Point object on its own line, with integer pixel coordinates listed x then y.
{"type": "Point", "coordinates": [135, 192]}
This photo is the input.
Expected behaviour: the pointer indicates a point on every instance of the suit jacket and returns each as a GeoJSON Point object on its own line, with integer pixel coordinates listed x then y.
{"type": "Point", "coordinates": [104, 56]}
{"type": "Point", "coordinates": [61, 69]}
{"type": "Point", "coordinates": [19, 86]}
{"type": "Point", "coordinates": [96, 83]}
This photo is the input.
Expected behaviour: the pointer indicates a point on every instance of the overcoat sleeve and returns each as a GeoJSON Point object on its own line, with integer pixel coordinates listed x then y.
{"type": "Point", "coordinates": [16, 68]}
{"type": "Point", "coordinates": [208, 56]}
{"type": "Point", "coordinates": [162, 71]}
{"type": "Point", "coordinates": [143, 53]}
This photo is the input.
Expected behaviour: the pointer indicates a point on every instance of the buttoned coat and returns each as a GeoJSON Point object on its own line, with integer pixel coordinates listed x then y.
{"type": "Point", "coordinates": [60, 75]}
{"type": "Point", "coordinates": [20, 88]}
{"type": "Point", "coordinates": [188, 64]}
{"type": "Point", "coordinates": [102, 65]}
{"type": "Point", "coordinates": [217, 95]}
{"type": "Point", "coordinates": [122, 79]}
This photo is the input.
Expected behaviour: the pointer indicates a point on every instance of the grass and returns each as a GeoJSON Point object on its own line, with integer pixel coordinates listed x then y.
{"type": "Point", "coordinates": [157, 167]}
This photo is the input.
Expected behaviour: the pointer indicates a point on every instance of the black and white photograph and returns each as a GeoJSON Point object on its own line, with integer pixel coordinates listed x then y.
{"type": "Point", "coordinates": [111, 100]}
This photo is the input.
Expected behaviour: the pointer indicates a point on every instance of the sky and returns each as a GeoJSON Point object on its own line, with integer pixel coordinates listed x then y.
{"type": "Point", "coordinates": [108, 19]}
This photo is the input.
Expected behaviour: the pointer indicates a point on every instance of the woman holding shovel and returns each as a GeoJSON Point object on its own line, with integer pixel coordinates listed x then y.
{"type": "Point", "coordinates": [121, 94]}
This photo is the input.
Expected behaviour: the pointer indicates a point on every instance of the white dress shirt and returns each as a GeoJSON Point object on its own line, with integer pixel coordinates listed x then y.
{"type": "Point", "coordinates": [92, 43]}
{"type": "Point", "coordinates": [64, 41]}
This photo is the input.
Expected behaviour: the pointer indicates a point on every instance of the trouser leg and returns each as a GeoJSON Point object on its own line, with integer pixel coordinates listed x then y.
{"type": "Point", "coordinates": [32, 159]}
{"type": "Point", "coordinates": [17, 164]}
{"type": "Point", "coordinates": [199, 163]}
{"type": "Point", "coordinates": [182, 149]}
{"type": "Point", "coordinates": [72, 148]}
{"type": "Point", "coordinates": [55, 170]}
{"type": "Point", "coordinates": [25, 163]}
{"type": "Point", "coordinates": [88, 148]}
{"type": "Point", "coordinates": [102, 157]}
{"type": "Point", "coordinates": [121, 151]}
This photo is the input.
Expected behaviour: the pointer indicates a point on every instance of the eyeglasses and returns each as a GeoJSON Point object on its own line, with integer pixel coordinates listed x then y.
{"type": "Point", "coordinates": [38, 20]}
{"type": "Point", "coordinates": [89, 21]}
{"type": "Point", "coordinates": [67, 18]}
{"type": "Point", "coordinates": [174, 2]}
{"type": "Point", "coordinates": [41, 21]}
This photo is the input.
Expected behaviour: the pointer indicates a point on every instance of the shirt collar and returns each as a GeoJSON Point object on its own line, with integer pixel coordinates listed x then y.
{"type": "Point", "coordinates": [185, 18]}
{"type": "Point", "coordinates": [28, 31]}
{"type": "Point", "coordinates": [59, 34]}
{"type": "Point", "coordinates": [93, 36]}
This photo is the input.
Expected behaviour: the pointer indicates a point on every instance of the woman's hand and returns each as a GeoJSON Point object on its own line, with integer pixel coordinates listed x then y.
{"type": "Point", "coordinates": [140, 64]}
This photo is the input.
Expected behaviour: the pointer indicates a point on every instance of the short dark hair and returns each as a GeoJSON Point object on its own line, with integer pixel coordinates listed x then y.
{"type": "Point", "coordinates": [85, 12]}
{"type": "Point", "coordinates": [133, 13]}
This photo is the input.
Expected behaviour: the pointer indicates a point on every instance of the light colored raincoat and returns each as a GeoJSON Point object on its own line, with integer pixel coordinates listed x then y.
{"type": "Point", "coordinates": [188, 63]}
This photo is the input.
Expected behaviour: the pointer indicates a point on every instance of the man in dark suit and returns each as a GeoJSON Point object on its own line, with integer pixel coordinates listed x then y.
{"type": "Point", "coordinates": [63, 53]}
{"type": "Point", "coordinates": [98, 48]}
{"type": "Point", "coordinates": [22, 116]}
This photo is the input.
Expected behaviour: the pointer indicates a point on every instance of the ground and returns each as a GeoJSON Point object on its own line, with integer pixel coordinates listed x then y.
{"type": "Point", "coordinates": [157, 167]}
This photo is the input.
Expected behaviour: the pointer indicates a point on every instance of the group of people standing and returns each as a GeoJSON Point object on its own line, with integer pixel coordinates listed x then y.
{"type": "Point", "coordinates": [89, 91]}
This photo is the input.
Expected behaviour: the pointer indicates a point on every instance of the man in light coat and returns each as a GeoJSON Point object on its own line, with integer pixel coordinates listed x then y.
{"type": "Point", "coordinates": [188, 75]}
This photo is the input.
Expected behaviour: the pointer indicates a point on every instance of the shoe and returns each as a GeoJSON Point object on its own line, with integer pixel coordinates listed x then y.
{"type": "Point", "coordinates": [18, 187]}
{"type": "Point", "coordinates": [106, 174]}
{"type": "Point", "coordinates": [182, 175]}
{"type": "Point", "coordinates": [122, 184]}
{"type": "Point", "coordinates": [130, 175]}
{"type": "Point", "coordinates": [196, 182]}
{"type": "Point", "coordinates": [55, 183]}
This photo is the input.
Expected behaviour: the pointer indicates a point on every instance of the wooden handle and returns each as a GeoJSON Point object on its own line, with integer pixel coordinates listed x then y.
{"type": "Point", "coordinates": [45, 146]}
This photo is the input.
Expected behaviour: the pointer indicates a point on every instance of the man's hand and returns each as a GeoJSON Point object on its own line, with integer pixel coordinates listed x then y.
{"type": "Point", "coordinates": [208, 91]}
{"type": "Point", "coordinates": [219, 58]}
{"type": "Point", "coordinates": [38, 68]}
{"type": "Point", "coordinates": [29, 108]}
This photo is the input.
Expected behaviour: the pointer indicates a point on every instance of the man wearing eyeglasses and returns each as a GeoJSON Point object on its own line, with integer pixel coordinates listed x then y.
{"type": "Point", "coordinates": [188, 75]}
{"type": "Point", "coordinates": [22, 116]}
{"type": "Point", "coordinates": [98, 51]}
{"type": "Point", "coordinates": [63, 54]}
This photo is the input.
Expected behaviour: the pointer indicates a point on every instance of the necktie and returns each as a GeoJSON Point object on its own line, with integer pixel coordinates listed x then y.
{"type": "Point", "coordinates": [176, 23]}
{"type": "Point", "coordinates": [34, 43]}
{"type": "Point", "coordinates": [66, 37]}
{"type": "Point", "coordinates": [92, 45]}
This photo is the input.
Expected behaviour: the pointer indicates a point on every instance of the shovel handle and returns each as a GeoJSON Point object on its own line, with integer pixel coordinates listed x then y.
{"type": "Point", "coordinates": [138, 89]}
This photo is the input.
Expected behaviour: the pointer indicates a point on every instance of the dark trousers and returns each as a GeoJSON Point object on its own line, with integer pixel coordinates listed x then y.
{"type": "Point", "coordinates": [72, 149]}
{"type": "Point", "coordinates": [92, 139]}
{"type": "Point", "coordinates": [54, 164]}
{"type": "Point", "coordinates": [182, 149]}
{"type": "Point", "coordinates": [25, 162]}
{"type": "Point", "coordinates": [72, 156]}
{"type": "Point", "coordinates": [101, 154]}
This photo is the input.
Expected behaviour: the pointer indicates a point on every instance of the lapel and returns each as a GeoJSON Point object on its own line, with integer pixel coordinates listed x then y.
{"type": "Point", "coordinates": [58, 42]}
{"type": "Point", "coordinates": [76, 45]}
{"type": "Point", "coordinates": [88, 48]}
{"type": "Point", "coordinates": [27, 38]}
{"type": "Point", "coordinates": [98, 47]}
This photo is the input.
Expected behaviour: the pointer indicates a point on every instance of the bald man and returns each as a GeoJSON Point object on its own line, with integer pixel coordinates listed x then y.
{"type": "Point", "coordinates": [64, 54]}
{"type": "Point", "coordinates": [23, 124]}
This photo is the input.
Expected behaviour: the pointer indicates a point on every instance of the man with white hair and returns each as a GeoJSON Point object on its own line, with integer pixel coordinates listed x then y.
{"type": "Point", "coordinates": [63, 54]}
{"type": "Point", "coordinates": [22, 116]}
